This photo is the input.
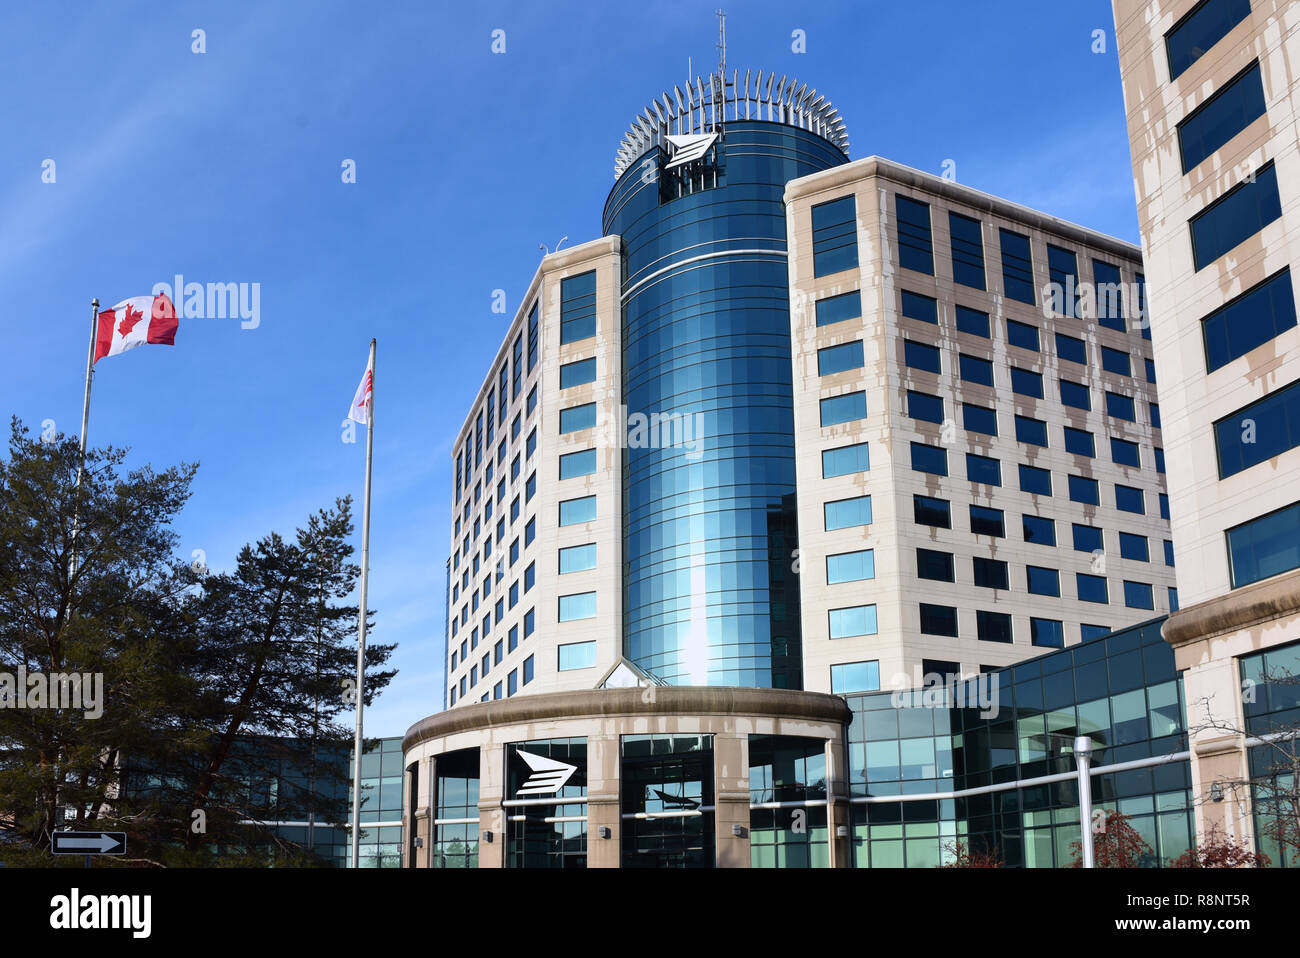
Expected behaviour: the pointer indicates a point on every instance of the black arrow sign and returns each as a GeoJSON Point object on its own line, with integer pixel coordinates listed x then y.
{"type": "Point", "coordinates": [88, 843]}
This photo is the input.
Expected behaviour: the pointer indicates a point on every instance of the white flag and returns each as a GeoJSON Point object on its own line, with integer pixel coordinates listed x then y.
{"type": "Point", "coordinates": [360, 411]}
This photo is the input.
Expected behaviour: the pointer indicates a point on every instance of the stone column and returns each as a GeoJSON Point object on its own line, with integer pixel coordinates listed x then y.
{"type": "Point", "coordinates": [491, 813]}
{"type": "Point", "coordinates": [838, 810]}
{"type": "Point", "coordinates": [731, 798]}
{"type": "Point", "coordinates": [603, 809]}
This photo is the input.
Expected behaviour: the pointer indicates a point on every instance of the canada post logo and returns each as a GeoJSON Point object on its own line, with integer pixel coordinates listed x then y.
{"type": "Point", "coordinates": [548, 775]}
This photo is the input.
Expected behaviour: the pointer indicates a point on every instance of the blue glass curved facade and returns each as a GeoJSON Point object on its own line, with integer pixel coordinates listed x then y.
{"type": "Point", "coordinates": [710, 595]}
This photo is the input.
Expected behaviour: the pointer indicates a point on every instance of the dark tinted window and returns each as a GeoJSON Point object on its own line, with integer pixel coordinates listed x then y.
{"type": "Point", "coordinates": [934, 565]}
{"type": "Point", "coordinates": [924, 407]}
{"type": "Point", "coordinates": [979, 419]}
{"type": "Point", "coordinates": [1026, 383]}
{"type": "Point", "coordinates": [1120, 407]}
{"type": "Point", "coordinates": [928, 511]}
{"type": "Point", "coordinates": [921, 356]}
{"type": "Point", "coordinates": [1035, 480]}
{"type": "Point", "coordinates": [916, 306]}
{"type": "Point", "coordinates": [1041, 581]}
{"type": "Point", "coordinates": [1258, 432]}
{"type": "Point", "coordinates": [1086, 538]}
{"type": "Point", "coordinates": [1250, 320]}
{"type": "Point", "coordinates": [1069, 348]}
{"type": "Point", "coordinates": [1220, 118]}
{"type": "Point", "coordinates": [838, 359]}
{"type": "Point", "coordinates": [938, 620]}
{"type": "Point", "coordinates": [1235, 217]}
{"type": "Point", "coordinates": [1079, 442]}
{"type": "Point", "coordinates": [915, 245]}
{"type": "Point", "coordinates": [931, 459]}
{"type": "Point", "coordinates": [1031, 431]}
{"type": "Point", "coordinates": [975, 370]}
{"type": "Point", "coordinates": [1109, 295]}
{"type": "Point", "coordinates": [991, 573]}
{"type": "Point", "coordinates": [1017, 268]}
{"type": "Point", "coordinates": [1091, 588]}
{"type": "Point", "coordinates": [967, 250]}
{"type": "Point", "coordinates": [579, 373]}
{"type": "Point", "coordinates": [835, 236]}
{"type": "Point", "coordinates": [577, 308]}
{"type": "Point", "coordinates": [1129, 499]}
{"type": "Point", "coordinates": [1076, 395]}
{"type": "Point", "coordinates": [836, 309]}
{"type": "Point", "coordinates": [973, 321]}
{"type": "Point", "coordinates": [1116, 361]}
{"type": "Point", "coordinates": [993, 626]}
{"type": "Point", "coordinates": [1084, 490]}
{"type": "Point", "coordinates": [986, 522]}
{"type": "Point", "coordinates": [1125, 453]}
{"type": "Point", "coordinates": [1195, 34]}
{"type": "Point", "coordinates": [1038, 530]}
{"type": "Point", "coordinates": [1022, 335]}
{"type": "Point", "coordinates": [983, 469]}
{"type": "Point", "coordinates": [1265, 547]}
{"type": "Point", "coordinates": [1063, 274]}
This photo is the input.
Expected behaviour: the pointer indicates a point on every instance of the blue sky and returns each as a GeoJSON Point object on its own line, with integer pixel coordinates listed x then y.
{"type": "Point", "coordinates": [226, 167]}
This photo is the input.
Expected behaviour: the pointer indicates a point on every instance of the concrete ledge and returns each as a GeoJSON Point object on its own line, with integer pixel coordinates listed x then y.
{"type": "Point", "coordinates": [1262, 602]}
{"type": "Point", "coordinates": [601, 703]}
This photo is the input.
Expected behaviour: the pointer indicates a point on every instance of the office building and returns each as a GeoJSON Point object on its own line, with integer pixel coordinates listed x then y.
{"type": "Point", "coordinates": [795, 431]}
{"type": "Point", "coordinates": [1210, 92]}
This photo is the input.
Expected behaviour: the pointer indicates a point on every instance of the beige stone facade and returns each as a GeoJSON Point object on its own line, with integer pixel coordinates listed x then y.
{"type": "Point", "coordinates": [900, 646]}
{"type": "Point", "coordinates": [1219, 623]}
{"type": "Point", "coordinates": [476, 674]}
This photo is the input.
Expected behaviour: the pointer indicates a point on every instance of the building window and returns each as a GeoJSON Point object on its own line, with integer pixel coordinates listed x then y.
{"type": "Point", "coordinates": [1256, 433]}
{"type": "Point", "coordinates": [983, 470]}
{"type": "Point", "coordinates": [985, 521]}
{"type": "Point", "coordinates": [921, 356]}
{"type": "Point", "coordinates": [967, 250]}
{"type": "Point", "coordinates": [530, 622]}
{"type": "Point", "coordinates": [1137, 595]}
{"type": "Point", "coordinates": [1116, 361]}
{"type": "Point", "coordinates": [1264, 547]}
{"type": "Point", "coordinates": [991, 573]}
{"type": "Point", "coordinates": [845, 460]}
{"type": "Point", "coordinates": [837, 309]}
{"type": "Point", "coordinates": [1091, 588]}
{"type": "Point", "coordinates": [1063, 275]}
{"type": "Point", "coordinates": [1235, 217]}
{"type": "Point", "coordinates": [1196, 34]}
{"type": "Point", "coordinates": [924, 407]}
{"type": "Point", "coordinates": [573, 511]}
{"type": "Point", "coordinates": [577, 558]}
{"type": "Point", "coordinates": [577, 308]}
{"type": "Point", "coordinates": [1017, 268]}
{"type": "Point", "coordinates": [850, 567]}
{"type": "Point", "coordinates": [838, 359]}
{"type": "Point", "coordinates": [972, 321]}
{"type": "Point", "coordinates": [1084, 490]}
{"type": "Point", "coordinates": [1022, 336]}
{"type": "Point", "coordinates": [975, 370]}
{"type": "Point", "coordinates": [528, 670]}
{"type": "Point", "coordinates": [1164, 506]}
{"type": "Point", "coordinates": [1048, 633]}
{"type": "Point", "coordinates": [853, 621]}
{"type": "Point", "coordinates": [1042, 581]}
{"type": "Point", "coordinates": [574, 464]}
{"type": "Point", "coordinates": [1071, 349]}
{"type": "Point", "coordinates": [993, 626]}
{"type": "Point", "coordinates": [1149, 368]}
{"type": "Point", "coordinates": [530, 445]}
{"type": "Point", "coordinates": [928, 511]}
{"type": "Point", "coordinates": [1256, 316]}
{"type": "Point", "coordinates": [916, 306]}
{"type": "Point", "coordinates": [1216, 121]}
{"type": "Point", "coordinates": [1169, 553]}
{"type": "Point", "coordinates": [1125, 453]}
{"type": "Point", "coordinates": [1120, 407]}
{"type": "Point", "coordinates": [512, 683]}
{"type": "Point", "coordinates": [1026, 383]}
{"type": "Point", "coordinates": [576, 655]}
{"type": "Point", "coordinates": [512, 638]}
{"type": "Point", "coordinates": [1129, 499]}
{"type": "Point", "coordinates": [979, 419]}
{"type": "Point", "coordinates": [1032, 432]}
{"type": "Point", "coordinates": [580, 605]}
{"type": "Point", "coordinates": [915, 244]}
{"type": "Point", "coordinates": [835, 236]}
{"type": "Point", "coordinates": [1109, 295]}
{"type": "Point", "coordinates": [847, 513]}
{"type": "Point", "coordinates": [931, 564]}
{"type": "Point", "coordinates": [576, 418]}
{"type": "Point", "coordinates": [1035, 481]}
{"type": "Point", "coordinates": [1086, 538]}
{"type": "Point", "coordinates": [1087, 632]}
{"type": "Point", "coordinates": [1133, 546]}
{"type": "Point", "coordinates": [855, 677]}
{"type": "Point", "coordinates": [938, 620]}
{"type": "Point", "coordinates": [1079, 442]}
{"type": "Point", "coordinates": [841, 409]}
{"type": "Point", "coordinates": [530, 487]}
{"type": "Point", "coordinates": [931, 459]}
{"type": "Point", "coordinates": [1039, 530]}
{"type": "Point", "coordinates": [1076, 395]}
{"type": "Point", "coordinates": [578, 373]}
{"type": "Point", "coordinates": [1155, 414]}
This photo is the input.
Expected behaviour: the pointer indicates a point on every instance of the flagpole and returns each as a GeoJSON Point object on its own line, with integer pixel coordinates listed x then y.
{"type": "Point", "coordinates": [361, 639]}
{"type": "Point", "coordinates": [85, 420]}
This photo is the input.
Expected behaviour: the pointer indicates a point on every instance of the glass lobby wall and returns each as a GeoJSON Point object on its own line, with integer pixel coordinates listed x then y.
{"type": "Point", "coordinates": [787, 802]}
{"type": "Point", "coordinates": [455, 824]}
{"type": "Point", "coordinates": [1271, 704]}
{"type": "Point", "coordinates": [666, 796]}
{"type": "Point", "coordinates": [541, 834]}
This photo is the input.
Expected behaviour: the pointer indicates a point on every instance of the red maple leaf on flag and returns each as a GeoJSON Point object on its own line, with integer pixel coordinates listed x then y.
{"type": "Point", "coordinates": [131, 317]}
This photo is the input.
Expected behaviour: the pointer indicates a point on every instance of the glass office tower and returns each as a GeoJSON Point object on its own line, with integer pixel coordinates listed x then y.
{"type": "Point", "coordinates": [711, 596]}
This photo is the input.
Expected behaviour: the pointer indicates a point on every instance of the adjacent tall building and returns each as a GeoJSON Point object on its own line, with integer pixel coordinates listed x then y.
{"type": "Point", "coordinates": [1211, 90]}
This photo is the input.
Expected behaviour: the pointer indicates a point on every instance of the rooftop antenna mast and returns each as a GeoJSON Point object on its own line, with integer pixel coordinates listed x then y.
{"type": "Point", "coordinates": [720, 99]}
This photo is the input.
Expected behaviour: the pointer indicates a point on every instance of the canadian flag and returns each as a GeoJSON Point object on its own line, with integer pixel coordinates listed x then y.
{"type": "Point", "coordinates": [360, 411]}
{"type": "Point", "coordinates": [134, 321]}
